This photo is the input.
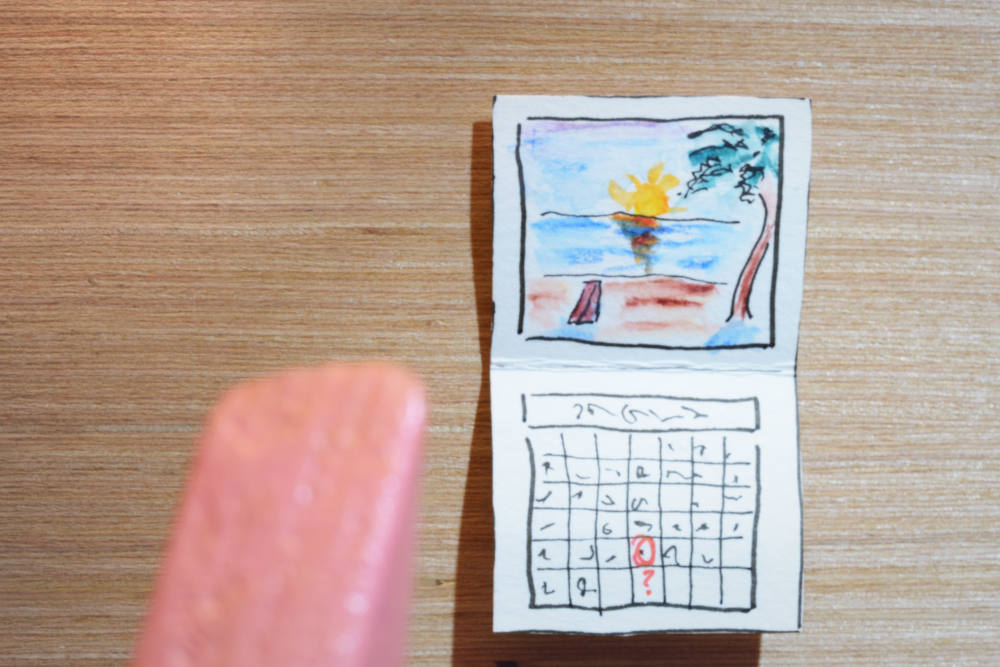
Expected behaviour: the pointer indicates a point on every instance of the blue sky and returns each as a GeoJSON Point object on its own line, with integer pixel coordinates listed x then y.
{"type": "Point", "coordinates": [568, 165]}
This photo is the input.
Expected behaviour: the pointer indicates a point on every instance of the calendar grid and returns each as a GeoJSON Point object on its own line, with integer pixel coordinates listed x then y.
{"type": "Point", "coordinates": [628, 490]}
{"type": "Point", "coordinates": [659, 509]}
{"type": "Point", "coordinates": [602, 564]}
{"type": "Point", "coordinates": [691, 534]}
{"type": "Point", "coordinates": [569, 516]}
{"type": "Point", "coordinates": [597, 558]}
{"type": "Point", "coordinates": [722, 514]}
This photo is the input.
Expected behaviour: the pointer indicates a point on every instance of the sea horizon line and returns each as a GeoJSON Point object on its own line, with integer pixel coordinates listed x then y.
{"type": "Point", "coordinates": [635, 215]}
{"type": "Point", "coordinates": [628, 275]}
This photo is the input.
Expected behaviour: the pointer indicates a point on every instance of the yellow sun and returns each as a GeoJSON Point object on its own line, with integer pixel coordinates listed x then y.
{"type": "Point", "coordinates": [650, 198]}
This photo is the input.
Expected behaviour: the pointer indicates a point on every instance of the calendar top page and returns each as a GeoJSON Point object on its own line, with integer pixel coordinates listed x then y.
{"type": "Point", "coordinates": [656, 232]}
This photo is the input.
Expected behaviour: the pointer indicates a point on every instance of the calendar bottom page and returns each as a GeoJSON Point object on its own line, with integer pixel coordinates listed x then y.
{"type": "Point", "coordinates": [645, 501]}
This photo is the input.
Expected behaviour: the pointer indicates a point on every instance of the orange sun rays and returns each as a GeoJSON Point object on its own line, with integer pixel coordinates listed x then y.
{"type": "Point", "coordinates": [649, 198]}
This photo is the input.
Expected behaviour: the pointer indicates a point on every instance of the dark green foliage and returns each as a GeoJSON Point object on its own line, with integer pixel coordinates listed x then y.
{"type": "Point", "coordinates": [739, 155]}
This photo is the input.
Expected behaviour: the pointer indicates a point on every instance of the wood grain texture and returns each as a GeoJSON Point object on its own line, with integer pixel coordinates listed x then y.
{"type": "Point", "coordinates": [192, 193]}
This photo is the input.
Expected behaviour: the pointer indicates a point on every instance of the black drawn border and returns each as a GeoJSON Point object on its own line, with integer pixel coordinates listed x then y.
{"type": "Point", "coordinates": [600, 609]}
{"type": "Point", "coordinates": [686, 399]}
{"type": "Point", "coordinates": [777, 229]}
{"type": "Point", "coordinates": [531, 505]}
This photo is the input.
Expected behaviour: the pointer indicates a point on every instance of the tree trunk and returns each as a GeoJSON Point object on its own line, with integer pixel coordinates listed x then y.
{"type": "Point", "coordinates": [740, 307]}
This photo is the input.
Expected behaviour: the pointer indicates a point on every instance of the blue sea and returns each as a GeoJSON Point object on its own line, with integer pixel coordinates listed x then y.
{"type": "Point", "coordinates": [698, 249]}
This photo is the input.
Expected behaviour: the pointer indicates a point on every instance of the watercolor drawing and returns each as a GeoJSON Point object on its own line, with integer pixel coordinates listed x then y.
{"type": "Point", "coordinates": [650, 232]}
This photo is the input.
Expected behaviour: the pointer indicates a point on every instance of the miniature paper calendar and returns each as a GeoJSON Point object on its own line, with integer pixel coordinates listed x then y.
{"type": "Point", "coordinates": [647, 286]}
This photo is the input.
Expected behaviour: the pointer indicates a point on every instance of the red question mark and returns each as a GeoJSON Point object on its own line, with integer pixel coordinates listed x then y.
{"type": "Point", "coordinates": [647, 575]}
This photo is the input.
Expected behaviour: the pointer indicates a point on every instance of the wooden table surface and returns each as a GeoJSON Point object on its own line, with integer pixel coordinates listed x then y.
{"type": "Point", "coordinates": [193, 193]}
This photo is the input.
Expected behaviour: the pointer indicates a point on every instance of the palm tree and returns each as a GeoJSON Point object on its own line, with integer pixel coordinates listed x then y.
{"type": "Point", "coordinates": [747, 154]}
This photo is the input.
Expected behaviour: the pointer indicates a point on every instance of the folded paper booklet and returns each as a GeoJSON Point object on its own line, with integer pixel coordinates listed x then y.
{"type": "Point", "coordinates": [647, 286]}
